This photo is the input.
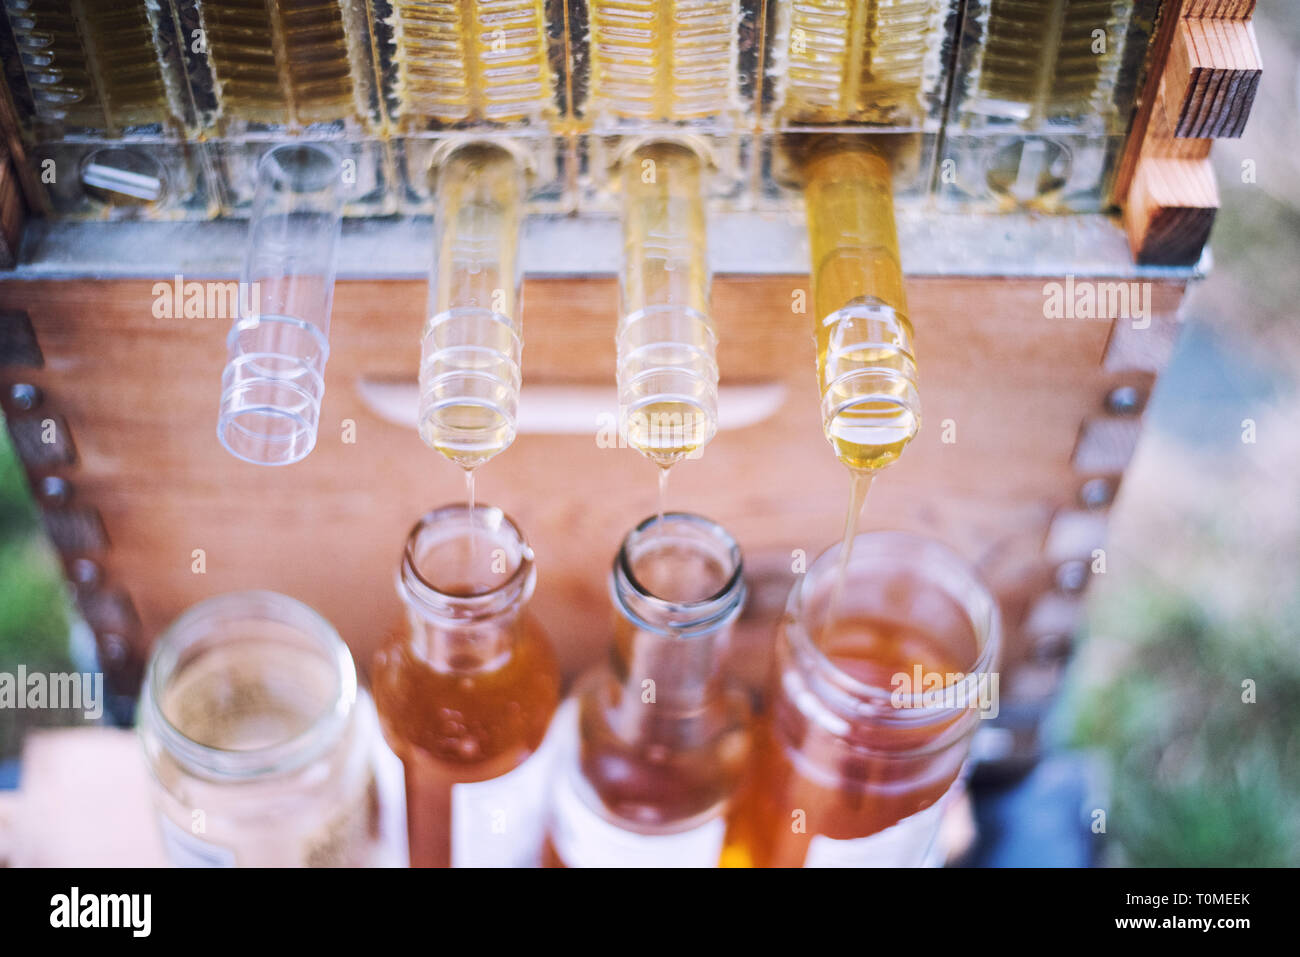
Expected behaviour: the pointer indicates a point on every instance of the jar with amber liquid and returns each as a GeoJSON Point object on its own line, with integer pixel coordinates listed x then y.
{"type": "Point", "coordinates": [872, 712]}
{"type": "Point", "coordinates": [652, 746]}
{"type": "Point", "coordinates": [466, 692]}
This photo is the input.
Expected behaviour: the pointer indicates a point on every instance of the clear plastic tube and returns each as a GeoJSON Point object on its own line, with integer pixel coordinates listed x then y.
{"type": "Point", "coordinates": [275, 377]}
{"type": "Point", "coordinates": [667, 370]}
{"type": "Point", "coordinates": [472, 345]}
{"type": "Point", "coordinates": [866, 364]}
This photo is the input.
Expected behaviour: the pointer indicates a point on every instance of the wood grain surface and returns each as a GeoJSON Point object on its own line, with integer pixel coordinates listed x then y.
{"type": "Point", "coordinates": [139, 395]}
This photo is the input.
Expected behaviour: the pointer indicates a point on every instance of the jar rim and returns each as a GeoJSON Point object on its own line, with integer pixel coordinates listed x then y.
{"type": "Point", "coordinates": [946, 571]}
{"type": "Point", "coordinates": [281, 757]}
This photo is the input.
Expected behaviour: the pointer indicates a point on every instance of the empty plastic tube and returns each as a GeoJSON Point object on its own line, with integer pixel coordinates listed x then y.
{"type": "Point", "coordinates": [275, 376]}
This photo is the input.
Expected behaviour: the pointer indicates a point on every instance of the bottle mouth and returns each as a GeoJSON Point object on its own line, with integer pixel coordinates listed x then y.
{"type": "Point", "coordinates": [913, 582]}
{"type": "Point", "coordinates": [679, 574]}
{"type": "Point", "coordinates": [252, 646]}
{"type": "Point", "coordinates": [464, 565]}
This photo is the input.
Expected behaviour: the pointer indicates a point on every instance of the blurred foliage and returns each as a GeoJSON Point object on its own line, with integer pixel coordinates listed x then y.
{"type": "Point", "coordinates": [1200, 777]}
{"type": "Point", "coordinates": [34, 608]}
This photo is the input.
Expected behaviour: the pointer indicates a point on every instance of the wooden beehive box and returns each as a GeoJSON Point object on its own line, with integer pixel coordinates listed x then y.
{"type": "Point", "coordinates": [1030, 418]}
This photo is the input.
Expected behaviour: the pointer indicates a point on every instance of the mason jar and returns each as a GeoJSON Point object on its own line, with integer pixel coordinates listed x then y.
{"type": "Point", "coordinates": [260, 745]}
{"type": "Point", "coordinates": [880, 681]}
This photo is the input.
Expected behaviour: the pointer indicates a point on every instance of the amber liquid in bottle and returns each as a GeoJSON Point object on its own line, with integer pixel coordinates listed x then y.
{"type": "Point", "coordinates": [662, 761]}
{"type": "Point", "coordinates": [661, 766]}
{"type": "Point", "coordinates": [448, 728]}
{"type": "Point", "coordinates": [461, 701]}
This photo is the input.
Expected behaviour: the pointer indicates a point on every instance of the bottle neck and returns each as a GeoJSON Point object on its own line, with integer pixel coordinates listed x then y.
{"type": "Point", "coordinates": [465, 578]}
{"type": "Point", "coordinates": [678, 587]}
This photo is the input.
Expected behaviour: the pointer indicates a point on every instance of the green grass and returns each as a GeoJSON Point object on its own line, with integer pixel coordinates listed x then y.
{"type": "Point", "coordinates": [1199, 776]}
{"type": "Point", "coordinates": [34, 607]}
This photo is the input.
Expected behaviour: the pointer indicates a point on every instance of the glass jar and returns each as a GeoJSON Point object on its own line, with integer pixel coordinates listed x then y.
{"type": "Point", "coordinates": [653, 745]}
{"type": "Point", "coordinates": [872, 713]}
{"type": "Point", "coordinates": [466, 692]}
{"type": "Point", "coordinates": [261, 751]}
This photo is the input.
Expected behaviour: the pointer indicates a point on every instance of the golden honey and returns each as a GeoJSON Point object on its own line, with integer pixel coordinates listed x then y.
{"type": "Point", "coordinates": [667, 373]}
{"type": "Point", "coordinates": [97, 65]}
{"type": "Point", "coordinates": [663, 60]}
{"type": "Point", "coordinates": [472, 61]}
{"type": "Point", "coordinates": [284, 62]}
{"type": "Point", "coordinates": [1040, 60]}
{"type": "Point", "coordinates": [858, 60]}
{"type": "Point", "coordinates": [865, 365]}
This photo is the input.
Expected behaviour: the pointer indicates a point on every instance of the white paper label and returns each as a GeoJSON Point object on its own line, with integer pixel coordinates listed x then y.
{"type": "Point", "coordinates": [390, 782]}
{"type": "Point", "coordinates": [189, 850]}
{"type": "Point", "coordinates": [905, 844]}
{"type": "Point", "coordinates": [583, 838]}
{"type": "Point", "coordinates": [501, 822]}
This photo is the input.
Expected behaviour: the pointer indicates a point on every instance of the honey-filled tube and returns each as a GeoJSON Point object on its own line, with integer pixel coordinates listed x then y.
{"type": "Point", "coordinates": [472, 344]}
{"type": "Point", "coordinates": [866, 366]}
{"type": "Point", "coordinates": [667, 370]}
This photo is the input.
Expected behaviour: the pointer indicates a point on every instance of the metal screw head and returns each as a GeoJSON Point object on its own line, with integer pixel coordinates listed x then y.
{"type": "Point", "coordinates": [113, 648]}
{"type": "Point", "coordinates": [54, 490]}
{"type": "Point", "coordinates": [1124, 400]}
{"type": "Point", "coordinates": [1072, 576]}
{"type": "Point", "coordinates": [24, 396]}
{"type": "Point", "coordinates": [1053, 648]}
{"type": "Point", "coordinates": [1096, 493]}
{"type": "Point", "coordinates": [85, 572]}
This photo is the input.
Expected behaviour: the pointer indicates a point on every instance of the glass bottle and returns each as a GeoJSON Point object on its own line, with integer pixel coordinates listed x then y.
{"type": "Point", "coordinates": [653, 745]}
{"type": "Point", "coordinates": [261, 748]}
{"type": "Point", "coordinates": [871, 714]}
{"type": "Point", "coordinates": [466, 692]}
